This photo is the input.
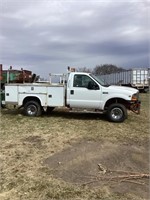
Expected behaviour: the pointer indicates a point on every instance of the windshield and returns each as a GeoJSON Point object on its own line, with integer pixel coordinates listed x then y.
{"type": "Point", "coordinates": [100, 81]}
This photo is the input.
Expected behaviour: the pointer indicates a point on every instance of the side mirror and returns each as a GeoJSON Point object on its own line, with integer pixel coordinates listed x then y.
{"type": "Point", "coordinates": [92, 86]}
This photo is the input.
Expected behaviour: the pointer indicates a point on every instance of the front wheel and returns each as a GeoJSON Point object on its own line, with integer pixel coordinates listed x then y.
{"type": "Point", "coordinates": [117, 112]}
{"type": "Point", "coordinates": [32, 109]}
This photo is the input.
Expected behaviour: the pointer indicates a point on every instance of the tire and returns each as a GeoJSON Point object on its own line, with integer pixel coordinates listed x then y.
{"type": "Point", "coordinates": [32, 109]}
{"type": "Point", "coordinates": [117, 112]}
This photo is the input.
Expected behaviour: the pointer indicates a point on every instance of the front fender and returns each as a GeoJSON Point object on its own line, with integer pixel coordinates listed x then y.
{"type": "Point", "coordinates": [114, 98]}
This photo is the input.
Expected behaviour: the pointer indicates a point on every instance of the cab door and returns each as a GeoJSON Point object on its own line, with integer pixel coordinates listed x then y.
{"type": "Point", "coordinates": [84, 92]}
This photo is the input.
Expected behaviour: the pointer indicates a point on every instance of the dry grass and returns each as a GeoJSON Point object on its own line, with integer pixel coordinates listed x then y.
{"type": "Point", "coordinates": [26, 142]}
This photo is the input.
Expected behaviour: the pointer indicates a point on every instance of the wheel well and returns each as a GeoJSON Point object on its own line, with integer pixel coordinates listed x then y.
{"type": "Point", "coordinates": [27, 99]}
{"type": "Point", "coordinates": [116, 100]}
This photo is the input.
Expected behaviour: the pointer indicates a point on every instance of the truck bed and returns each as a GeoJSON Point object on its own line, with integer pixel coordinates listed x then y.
{"type": "Point", "coordinates": [49, 94]}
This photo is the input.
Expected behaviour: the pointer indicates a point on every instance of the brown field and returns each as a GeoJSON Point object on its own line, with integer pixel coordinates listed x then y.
{"type": "Point", "coordinates": [74, 156]}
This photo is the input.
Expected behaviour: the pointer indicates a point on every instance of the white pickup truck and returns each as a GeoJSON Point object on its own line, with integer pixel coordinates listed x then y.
{"type": "Point", "coordinates": [76, 90]}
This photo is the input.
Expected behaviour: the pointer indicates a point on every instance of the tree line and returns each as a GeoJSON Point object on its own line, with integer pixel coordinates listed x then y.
{"type": "Point", "coordinates": [102, 69]}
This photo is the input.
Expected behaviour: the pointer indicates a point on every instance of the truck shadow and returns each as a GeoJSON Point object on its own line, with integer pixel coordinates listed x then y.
{"type": "Point", "coordinates": [76, 115]}
{"type": "Point", "coordinates": [58, 114]}
{"type": "Point", "coordinates": [8, 111]}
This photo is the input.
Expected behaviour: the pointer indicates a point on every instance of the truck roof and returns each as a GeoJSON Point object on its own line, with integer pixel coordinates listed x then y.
{"type": "Point", "coordinates": [80, 73]}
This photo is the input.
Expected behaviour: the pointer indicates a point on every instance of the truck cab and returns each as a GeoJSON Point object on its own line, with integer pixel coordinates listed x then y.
{"type": "Point", "coordinates": [83, 91]}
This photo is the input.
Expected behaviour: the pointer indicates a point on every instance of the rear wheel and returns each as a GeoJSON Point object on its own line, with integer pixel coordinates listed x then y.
{"type": "Point", "coordinates": [32, 109]}
{"type": "Point", "coordinates": [117, 112]}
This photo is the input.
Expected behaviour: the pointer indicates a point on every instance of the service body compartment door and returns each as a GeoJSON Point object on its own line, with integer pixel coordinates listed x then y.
{"type": "Point", "coordinates": [11, 94]}
{"type": "Point", "coordinates": [55, 96]}
{"type": "Point", "coordinates": [81, 95]}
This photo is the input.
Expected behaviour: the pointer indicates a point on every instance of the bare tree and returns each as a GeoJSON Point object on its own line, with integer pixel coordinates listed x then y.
{"type": "Point", "coordinates": [107, 69]}
{"type": "Point", "coordinates": [84, 69]}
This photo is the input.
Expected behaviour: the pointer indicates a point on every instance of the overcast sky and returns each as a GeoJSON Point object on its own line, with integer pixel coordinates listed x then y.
{"type": "Point", "coordinates": [49, 35]}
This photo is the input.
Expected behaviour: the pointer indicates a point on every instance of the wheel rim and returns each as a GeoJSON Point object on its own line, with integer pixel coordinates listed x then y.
{"type": "Point", "coordinates": [32, 109]}
{"type": "Point", "coordinates": [116, 113]}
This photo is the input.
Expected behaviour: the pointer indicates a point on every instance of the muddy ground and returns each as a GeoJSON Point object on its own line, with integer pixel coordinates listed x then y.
{"type": "Point", "coordinates": [117, 167]}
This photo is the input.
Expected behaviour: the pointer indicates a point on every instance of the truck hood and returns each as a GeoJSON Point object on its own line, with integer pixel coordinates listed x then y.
{"type": "Point", "coordinates": [122, 89]}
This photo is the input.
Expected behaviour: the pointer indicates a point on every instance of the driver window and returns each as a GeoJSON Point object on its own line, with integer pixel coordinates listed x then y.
{"type": "Point", "coordinates": [84, 81]}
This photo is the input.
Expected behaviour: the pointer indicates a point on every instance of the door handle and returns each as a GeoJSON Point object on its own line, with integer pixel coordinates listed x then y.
{"type": "Point", "coordinates": [72, 92]}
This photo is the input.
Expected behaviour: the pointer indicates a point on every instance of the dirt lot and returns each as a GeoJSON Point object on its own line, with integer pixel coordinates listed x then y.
{"type": "Point", "coordinates": [74, 156]}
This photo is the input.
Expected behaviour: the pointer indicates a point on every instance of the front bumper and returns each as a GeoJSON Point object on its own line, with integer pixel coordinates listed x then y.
{"type": "Point", "coordinates": [135, 106]}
